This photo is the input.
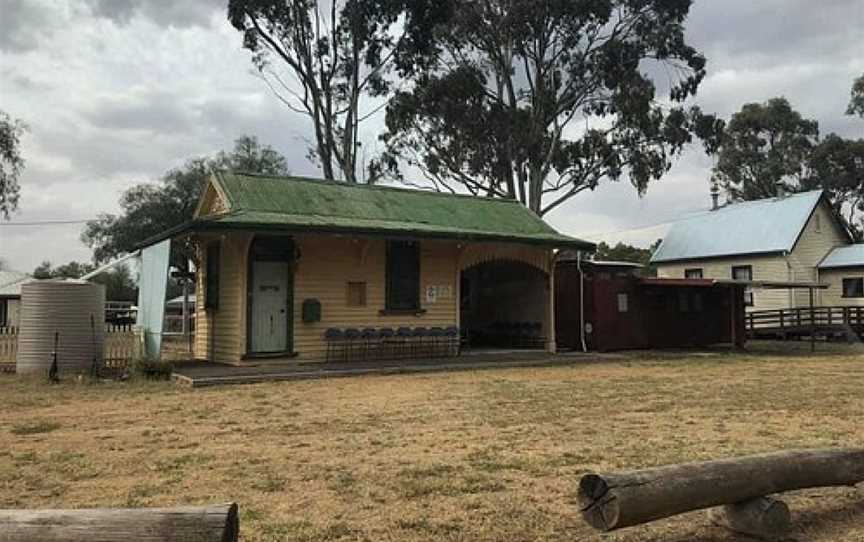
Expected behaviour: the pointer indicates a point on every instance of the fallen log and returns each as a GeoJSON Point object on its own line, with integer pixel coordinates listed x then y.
{"type": "Point", "coordinates": [614, 501]}
{"type": "Point", "coordinates": [764, 517]}
{"type": "Point", "coordinates": [217, 523]}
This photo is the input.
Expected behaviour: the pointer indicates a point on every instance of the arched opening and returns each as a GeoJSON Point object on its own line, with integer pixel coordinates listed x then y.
{"type": "Point", "coordinates": [504, 304]}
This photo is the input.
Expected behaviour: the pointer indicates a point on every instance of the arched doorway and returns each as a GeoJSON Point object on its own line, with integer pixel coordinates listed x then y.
{"type": "Point", "coordinates": [504, 304]}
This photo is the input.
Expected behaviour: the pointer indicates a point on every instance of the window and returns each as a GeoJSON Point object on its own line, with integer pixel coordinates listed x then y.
{"type": "Point", "coordinates": [818, 220]}
{"type": "Point", "coordinates": [693, 273]}
{"type": "Point", "coordinates": [623, 303]}
{"type": "Point", "coordinates": [4, 312]}
{"type": "Point", "coordinates": [211, 286]}
{"type": "Point", "coordinates": [356, 294]}
{"type": "Point", "coordinates": [744, 272]}
{"type": "Point", "coordinates": [403, 276]}
{"type": "Point", "coordinates": [853, 287]}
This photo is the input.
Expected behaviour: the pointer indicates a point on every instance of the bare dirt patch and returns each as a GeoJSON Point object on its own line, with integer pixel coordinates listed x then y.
{"type": "Point", "coordinates": [486, 455]}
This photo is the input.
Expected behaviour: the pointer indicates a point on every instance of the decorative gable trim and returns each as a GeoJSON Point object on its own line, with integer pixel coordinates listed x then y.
{"type": "Point", "coordinates": [213, 200]}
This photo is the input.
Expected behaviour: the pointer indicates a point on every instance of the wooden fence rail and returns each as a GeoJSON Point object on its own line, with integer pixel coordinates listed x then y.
{"type": "Point", "coordinates": [8, 348]}
{"type": "Point", "coordinates": [806, 318]}
{"type": "Point", "coordinates": [122, 345]}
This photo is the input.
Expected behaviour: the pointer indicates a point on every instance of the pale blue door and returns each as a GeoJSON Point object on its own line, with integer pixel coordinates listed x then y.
{"type": "Point", "coordinates": [269, 312]}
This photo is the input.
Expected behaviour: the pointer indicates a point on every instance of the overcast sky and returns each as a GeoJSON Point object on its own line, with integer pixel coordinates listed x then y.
{"type": "Point", "coordinates": [115, 92]}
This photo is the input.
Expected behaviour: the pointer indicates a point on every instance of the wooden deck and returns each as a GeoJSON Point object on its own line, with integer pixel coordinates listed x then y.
{"type": "Point", "coordinates": [205, 373]}
{"type": "Point", "coordinates": [828, 322]}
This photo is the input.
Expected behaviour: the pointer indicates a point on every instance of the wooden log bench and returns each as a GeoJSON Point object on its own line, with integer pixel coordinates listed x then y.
{"type": "Point", "coordinates": [616, 500]}
{"type": "Point", "coordinates": [217, 523]}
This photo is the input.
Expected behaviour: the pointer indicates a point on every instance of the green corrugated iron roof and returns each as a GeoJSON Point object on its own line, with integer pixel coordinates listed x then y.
{"type": "Point", "coordinates": [297, 203]}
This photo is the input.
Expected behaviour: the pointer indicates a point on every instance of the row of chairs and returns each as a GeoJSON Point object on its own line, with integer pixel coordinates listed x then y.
{"type": "Point", "coordinates": [404, 342]}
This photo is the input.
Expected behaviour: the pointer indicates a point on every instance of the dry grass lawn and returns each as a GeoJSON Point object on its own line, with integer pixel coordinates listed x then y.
{"type": "Point", "coordinates": [485, 455]}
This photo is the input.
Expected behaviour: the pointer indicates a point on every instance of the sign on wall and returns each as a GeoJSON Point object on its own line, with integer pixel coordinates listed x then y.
{"type": "Point", "coordinates": [434, 293]}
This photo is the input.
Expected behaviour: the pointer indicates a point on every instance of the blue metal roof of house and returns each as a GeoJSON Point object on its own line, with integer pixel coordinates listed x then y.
{"type": "Point", "coordinates": [753, 227]}
{"type": "Point", "coordinates": [848, 256]}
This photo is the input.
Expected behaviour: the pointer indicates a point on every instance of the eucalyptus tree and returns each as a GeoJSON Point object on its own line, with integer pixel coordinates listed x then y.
{"type": "Point", "coordinates": [11, 163]}
{"type": "Point", "coordinates": [541, 100]}
{"type": "Point", "coordinates": [332, 62]}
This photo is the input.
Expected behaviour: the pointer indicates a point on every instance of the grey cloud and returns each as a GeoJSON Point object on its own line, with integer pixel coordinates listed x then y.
{"type": "Point", "coordinates": [24, 23]}
{"type": "Point", "coordinates": [146, 133]}
{"type": "Point", "coordinates": [755, 34]}
{"type": "Point", "coordinates": [155, 111]}
{"type": "Point", "coordinates": [174, 13]}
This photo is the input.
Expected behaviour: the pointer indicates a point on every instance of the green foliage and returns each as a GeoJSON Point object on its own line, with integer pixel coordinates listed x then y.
{"type": "Point", "coordinates": [340, 54]}
{"type": "Point", "coordinates": [623, 252]}
{"type": "Point", "coordinates": [11, 162]}
{"type": "Point", "coordinates": [495, 109]}
{"type": "Point", "coordinates": [150, 209]}
{"type": "Point", "coordinates": [118, 281]}
{"type": "Point", "coordinates": [764, 149]}
{"type": "Point", "coordinates": [151, 369]}
{"type": "Point", "coordinates": [768, 147]}
{"type": "Point", "coordinates": [856, 102]}
{"type": "Point", "coordinates": [837, 166]}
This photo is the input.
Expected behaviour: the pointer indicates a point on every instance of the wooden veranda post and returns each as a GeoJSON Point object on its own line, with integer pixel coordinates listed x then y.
{"type": "Point", "coordinates": [812, 323]}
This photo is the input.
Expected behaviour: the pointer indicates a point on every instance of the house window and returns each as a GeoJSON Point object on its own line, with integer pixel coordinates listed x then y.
{"type": "Point", "coordinates": [211, 286]}
{"type": "Point", "coordinates": [4, 313]}
{"type": "Point", "coordinates": [693, 273]}
{"type": "Point", "coordinates": [818, 220]}
{"type": "Point", "coordinates": [356, 294]}
{"type": "Point", "coordinates": [403, 276]}
{"type": "Point", "coordinates": [744, 272]}
{"type": "Point", "coordinates": [697, 302]}
{"type": "Point", "coordinates": [853, 287]}
{"type": "Point", "coordinates": [623, 303]}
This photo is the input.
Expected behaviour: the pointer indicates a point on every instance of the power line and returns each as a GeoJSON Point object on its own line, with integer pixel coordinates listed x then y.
{"type": "Point", "coordinates": [47, 222]}
{"type": "Point", "coordinates": [689, 214]}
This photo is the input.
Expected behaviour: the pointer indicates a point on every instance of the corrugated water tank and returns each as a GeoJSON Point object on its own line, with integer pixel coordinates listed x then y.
{"type": "Point", "coordinates": [72, 309]}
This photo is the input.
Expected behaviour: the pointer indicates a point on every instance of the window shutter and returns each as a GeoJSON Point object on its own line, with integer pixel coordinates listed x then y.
{"type": "Point", "coordinates": [211, 288]}
{"type": "Point", "coordinates": [403, 275]}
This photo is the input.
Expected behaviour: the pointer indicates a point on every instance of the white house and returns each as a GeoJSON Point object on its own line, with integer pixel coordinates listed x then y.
{"type": "Point", "coordinates": [792, 238]}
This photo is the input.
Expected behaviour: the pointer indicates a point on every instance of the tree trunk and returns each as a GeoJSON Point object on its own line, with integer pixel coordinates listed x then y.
{"type": "Point", "coordinates": [613, 501]}
{"type": "Point", "coordinates": [218, 523]}
{"type": "Point", "coordinates": [763, 517]}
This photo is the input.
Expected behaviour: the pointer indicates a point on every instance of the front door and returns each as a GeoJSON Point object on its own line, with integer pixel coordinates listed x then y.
{"type": "Point", "coordinates": [270, 306]}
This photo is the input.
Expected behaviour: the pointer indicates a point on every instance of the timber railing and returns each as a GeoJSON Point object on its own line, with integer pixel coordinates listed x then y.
{"type": "Point", "coordinates": [122, 345]}
{"type": "Point", "coordinates": [804, 318]}
{"type": "Point", "coordinates": [8, 348]}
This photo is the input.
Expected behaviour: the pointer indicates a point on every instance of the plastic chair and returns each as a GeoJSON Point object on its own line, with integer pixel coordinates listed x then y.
{"type": "Point", "coordinates": [335, 338]}
{"type": "Point", "coordinates": [451, 334]}
{"type": "Point", "coordinates": [403, 337]}
{"type": "Point", "coordinates": [370, 341]}
{"type": "Point", "coordinates": [352, 335]}
{"type": "Point", "coordinates": [419, 333]}
{"type": "Point", "coordinates": [436, 341]}
{"type": "Point", "coordinates": [385, 347]}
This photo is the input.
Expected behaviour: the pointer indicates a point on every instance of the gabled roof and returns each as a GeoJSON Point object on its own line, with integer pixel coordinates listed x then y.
{"type": "Point", "coordinates": [302, 204]}
{"type": "Point", "coordinates": [753, 227]}
{"type": "Point", "coordinates": [11, 281]}
{"type": "Point", "coordinates": [848, 256]}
